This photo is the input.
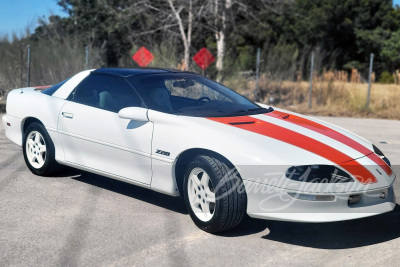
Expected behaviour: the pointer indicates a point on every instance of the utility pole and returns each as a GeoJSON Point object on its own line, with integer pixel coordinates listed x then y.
{"type": "Point", "coordinates": [257, 74]}
{"type": "Point", "coordinates": [28, 63]}
{"type": "Point", "coordinates": [87, 57]}
{"type": "Point", "coordinates": [371, 62]}
{"type": "Point", "coordinates": [311, 79]}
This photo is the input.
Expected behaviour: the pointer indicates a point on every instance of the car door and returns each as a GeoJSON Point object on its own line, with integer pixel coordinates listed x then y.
{"type": "Point", "coordinates": [95, 137]}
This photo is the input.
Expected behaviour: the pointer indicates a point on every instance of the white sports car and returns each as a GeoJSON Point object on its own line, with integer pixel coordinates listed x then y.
{"type": "Point", "coordinates": [181, 134]}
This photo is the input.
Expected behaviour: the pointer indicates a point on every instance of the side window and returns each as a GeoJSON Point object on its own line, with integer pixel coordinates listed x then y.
{"type": "Point", "coordinates": [106, 92]}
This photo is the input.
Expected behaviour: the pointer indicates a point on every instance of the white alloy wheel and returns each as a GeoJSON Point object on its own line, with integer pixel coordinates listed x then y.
{"type": "Point", "coordinates": [36, 149]}
{"type": "Point", "coordinates": [201, 194]}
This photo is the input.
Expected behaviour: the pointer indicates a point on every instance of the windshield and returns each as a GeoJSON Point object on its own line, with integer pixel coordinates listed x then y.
{"type": "Point", "coordinates": [192, 95]}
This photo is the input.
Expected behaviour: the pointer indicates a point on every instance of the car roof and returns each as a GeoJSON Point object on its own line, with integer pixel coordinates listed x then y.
{"type": "Point", "coordinates": [133, 72]}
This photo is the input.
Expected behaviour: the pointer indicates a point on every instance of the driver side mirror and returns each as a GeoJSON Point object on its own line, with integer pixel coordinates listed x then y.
{"type": "Point", "coordinates": [134, 113]}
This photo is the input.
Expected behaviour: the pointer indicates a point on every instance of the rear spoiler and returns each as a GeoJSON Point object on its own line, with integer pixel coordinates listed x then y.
{"type": "Point", "coordinates": [34, 88]}
{"type": "Point", "coordinates": [41, 88]}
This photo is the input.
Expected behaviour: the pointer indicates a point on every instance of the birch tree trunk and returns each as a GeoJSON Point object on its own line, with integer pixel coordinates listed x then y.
{"type": "Point", "coordinates": [220, 34]}
{"type": "Point", "coordinates": [185, 36]}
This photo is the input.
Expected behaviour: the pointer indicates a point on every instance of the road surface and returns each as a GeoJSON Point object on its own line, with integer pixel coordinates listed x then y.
{"type": "Point", "coordinates": [82, 219]}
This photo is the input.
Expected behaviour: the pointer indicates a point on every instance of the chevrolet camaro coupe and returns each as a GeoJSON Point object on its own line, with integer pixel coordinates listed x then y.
{"type": "Point", "coordinates": [182, 134]}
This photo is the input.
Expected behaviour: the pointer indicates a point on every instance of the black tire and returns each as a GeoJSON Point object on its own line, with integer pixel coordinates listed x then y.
{"type": "Point", "coordinates": [230, 196]}
{"type": "Point", "coordinates": [50, 165]}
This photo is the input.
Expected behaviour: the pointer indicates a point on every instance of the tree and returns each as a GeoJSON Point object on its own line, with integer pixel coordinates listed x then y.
{"type": "Point", "coordinates": [221, 10]}
{"type": "Point", "coordinates": [390, 52]}
{"type": "Point", "coordinates": [345, 31]}
{"type": "Point", "coordinates": [101, 23]}
{"type": "Point", "coordinates": [340, 27]}
{"type": "Point", "coordinates": [186, 35]}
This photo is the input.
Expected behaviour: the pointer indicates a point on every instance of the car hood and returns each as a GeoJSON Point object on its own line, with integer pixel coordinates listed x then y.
{"type": "Point", "coordinates": [322, 139]}
{"type": "Point", "coordinates": [303, 132]}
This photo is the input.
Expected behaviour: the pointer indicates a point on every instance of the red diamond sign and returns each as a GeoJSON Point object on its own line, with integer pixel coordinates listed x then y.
{"type": "Point", "coordinates": [204, 58]}
{"type": "Point", "coordinates": [143, 57]}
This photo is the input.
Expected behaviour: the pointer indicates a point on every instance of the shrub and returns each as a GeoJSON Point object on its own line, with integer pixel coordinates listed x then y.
{"type": "Point", "coordinates": [386, 77]}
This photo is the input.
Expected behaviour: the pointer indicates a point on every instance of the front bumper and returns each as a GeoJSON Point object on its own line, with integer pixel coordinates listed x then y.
{"type": "Point", "coordinates": [267, 202]}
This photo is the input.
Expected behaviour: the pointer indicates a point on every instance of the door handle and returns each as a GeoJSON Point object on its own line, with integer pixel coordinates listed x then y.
{"type": "Point", "coordinates": [67, 115]}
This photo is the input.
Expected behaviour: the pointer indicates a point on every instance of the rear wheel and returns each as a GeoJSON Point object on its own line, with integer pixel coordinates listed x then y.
{"type": "Point", "coordinates": [214, 194]}
{"type": "Point", "coordinates": [38, 149]}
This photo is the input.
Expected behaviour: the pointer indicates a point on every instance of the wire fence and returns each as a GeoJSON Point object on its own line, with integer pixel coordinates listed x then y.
{"type": "Point", "coordinates": [276, 78]}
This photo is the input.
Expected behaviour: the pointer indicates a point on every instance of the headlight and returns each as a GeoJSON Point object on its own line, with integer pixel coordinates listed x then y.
{"type": "Point", "coordinates": [318, 174]}
{"type": "Point", "coordinates": [381, 155]}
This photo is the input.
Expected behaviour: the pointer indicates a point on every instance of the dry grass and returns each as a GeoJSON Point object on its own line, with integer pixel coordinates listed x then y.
{"type": "Point", "coordinates": [349, 99]}
{"type": "Point", "coordinates": [329, 98]}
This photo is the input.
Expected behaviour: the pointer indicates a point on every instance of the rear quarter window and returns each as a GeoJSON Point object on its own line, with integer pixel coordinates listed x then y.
{"type": "Point", "coordinates": [54, 88]}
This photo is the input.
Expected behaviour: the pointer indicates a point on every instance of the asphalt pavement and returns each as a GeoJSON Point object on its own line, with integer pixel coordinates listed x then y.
{"type": "Point", "coordinates": [81, 219]}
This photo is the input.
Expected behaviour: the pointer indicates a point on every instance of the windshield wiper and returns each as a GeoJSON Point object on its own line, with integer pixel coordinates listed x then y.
{"type": "Point", "coordinates": [255, 109]}
{"type": "Point", "coordinates": [240, 111]}
{"type": "Point", "coordinates": [270, 109]}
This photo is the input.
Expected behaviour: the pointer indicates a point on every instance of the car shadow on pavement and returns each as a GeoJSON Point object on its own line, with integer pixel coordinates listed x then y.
{"type": "Point", "coordinates": [335, 235]}
{"type": "Point", "coordinates": [248, 226]}
{"type": "Point", "coordinates": [338, 235]}
{"type": "Point", "coordinates": [175, 204]}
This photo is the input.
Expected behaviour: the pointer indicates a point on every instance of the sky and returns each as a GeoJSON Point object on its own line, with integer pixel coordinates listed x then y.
{"type": "Point", "coordinates": [16, 15]}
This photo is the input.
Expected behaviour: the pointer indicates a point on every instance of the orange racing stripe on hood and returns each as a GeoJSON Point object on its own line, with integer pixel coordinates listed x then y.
{"type": "Point", "coordinates": [319, 128]}
{"type": "Point", "coordinates": [299, 140]}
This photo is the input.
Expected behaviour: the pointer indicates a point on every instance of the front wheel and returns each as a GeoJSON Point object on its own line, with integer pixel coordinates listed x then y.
{"type": "Point", "coordinates": [214, 194]}
{"type": "Point", "coordinates": [39, 152]}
